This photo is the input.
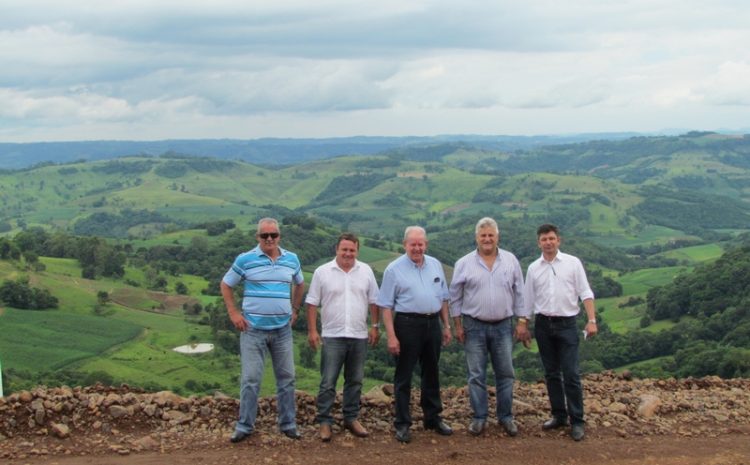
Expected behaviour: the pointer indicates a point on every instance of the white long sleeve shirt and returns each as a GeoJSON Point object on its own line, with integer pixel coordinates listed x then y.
{"type": "Point", "coordinates": [554, 288]}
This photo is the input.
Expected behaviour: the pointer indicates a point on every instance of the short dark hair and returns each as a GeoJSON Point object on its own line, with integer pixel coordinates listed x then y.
{"type": "Point", "coordinates": [347, 236]}
{"type": "Point", "coordinates": [547, 228]}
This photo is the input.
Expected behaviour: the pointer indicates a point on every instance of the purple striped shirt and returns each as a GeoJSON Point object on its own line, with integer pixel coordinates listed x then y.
{"type": "Point", "coordinates": [485, 294]}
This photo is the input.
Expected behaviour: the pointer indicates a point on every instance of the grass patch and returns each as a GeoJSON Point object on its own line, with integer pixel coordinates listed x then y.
{"type": "Point", "coordinates": [48, 340]}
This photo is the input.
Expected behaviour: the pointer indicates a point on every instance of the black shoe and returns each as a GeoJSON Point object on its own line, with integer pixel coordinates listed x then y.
{"type": "Point", "coordinates": [292, 433]}
{"type": "Point", "coordinates": [403, 434]}
{"type": "Point", "coordinates": [510, 427]}
{"type": "Point", "coordinates": [554, 423]}
{"type": "Point", "coordinates": [441, 428]}
{"type": "Point", "coordinates": [239, 436]}
{"type": "Point", "coordinates": [476, 427]}
{"type": "Point", "coordinates": [577, 432]}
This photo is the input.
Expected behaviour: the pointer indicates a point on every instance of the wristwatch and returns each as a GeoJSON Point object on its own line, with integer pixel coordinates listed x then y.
{"type": "Point", "coordinates": [375, 325]}
{"type": "Point", "coordinates": [592, 321]}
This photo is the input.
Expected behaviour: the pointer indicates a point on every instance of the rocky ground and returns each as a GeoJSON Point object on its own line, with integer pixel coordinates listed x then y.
{"type": "Point", "coordinates": [706, 420]}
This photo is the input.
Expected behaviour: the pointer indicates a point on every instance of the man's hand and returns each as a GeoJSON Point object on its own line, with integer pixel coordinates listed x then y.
{"type": "Point", "coordinates": [373, 336]}
{"type": "Point", "coordinates": [522, 334]}
{"type": "Point", "coordinates": [394, 347]}
{"type": "Point", "coordinates": [447, 336]}
{"type": "Point", "coordinates": [591, 329]}
{"type": "Point", "coordinates": [239, 321]}
{"type": "Point", "coordinates": [313, 338]}
{"type": "Point", "coordinates": [460, 334]}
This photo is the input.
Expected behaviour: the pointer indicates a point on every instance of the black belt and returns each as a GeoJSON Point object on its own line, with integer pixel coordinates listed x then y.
{"type": "Point", "coordinates": [555, 318]}
{"type": "Point", "coordinates": [418, 315]}
{"type": "Point", "coordinates": [487, 322]}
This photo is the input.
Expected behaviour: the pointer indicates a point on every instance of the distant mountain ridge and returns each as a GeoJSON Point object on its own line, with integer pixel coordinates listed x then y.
{"type": "Point", "coordinates": [267, 151]}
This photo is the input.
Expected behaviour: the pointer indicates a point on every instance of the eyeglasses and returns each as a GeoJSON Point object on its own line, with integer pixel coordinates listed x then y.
{"type": "Point", "coordinates": [267, 235]}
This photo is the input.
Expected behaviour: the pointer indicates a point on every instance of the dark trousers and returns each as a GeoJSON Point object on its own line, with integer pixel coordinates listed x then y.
{"type": "Point", "coordinates": [420, 340]}
{"type": "Point", "coordinates": [557, 339]}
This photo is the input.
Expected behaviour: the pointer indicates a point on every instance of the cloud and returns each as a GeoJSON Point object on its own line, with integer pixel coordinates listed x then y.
{"type": "Point", "coordinates": [434, 66]}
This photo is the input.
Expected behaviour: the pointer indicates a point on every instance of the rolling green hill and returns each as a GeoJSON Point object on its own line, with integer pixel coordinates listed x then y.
{"type": "Point", "coordinates": [639, 212]}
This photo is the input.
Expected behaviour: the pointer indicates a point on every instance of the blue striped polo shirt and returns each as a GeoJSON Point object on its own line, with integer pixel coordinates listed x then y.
{"type": "Point", "coordinates": [266, 300]}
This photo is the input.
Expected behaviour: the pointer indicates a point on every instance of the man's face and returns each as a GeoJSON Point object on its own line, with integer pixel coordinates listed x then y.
{"type": "Point", "coordinates": [346, 254]}
{"type": "Point", "coordinates": [268, 238]}
{"type": "Point", "coordinates": [487, 240]}
{"type": "Point", "coordinates": [415, 246]}
{"type": "Point", "coordinates": [549, 243]}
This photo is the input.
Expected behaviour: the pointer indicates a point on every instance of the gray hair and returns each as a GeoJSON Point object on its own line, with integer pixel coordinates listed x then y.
{"type": "Point", "coordinates": [412, 229]}
{"type": "Point", "coordinates": [486, 222]}
{"type": "Point", "coordinates": [272, 221]}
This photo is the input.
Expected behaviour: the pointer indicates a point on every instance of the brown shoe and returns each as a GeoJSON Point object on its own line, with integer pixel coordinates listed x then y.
{"type": "Point", "coordinates": [325, 432]}
{"type": "Point", "coordinates": [356, 428]}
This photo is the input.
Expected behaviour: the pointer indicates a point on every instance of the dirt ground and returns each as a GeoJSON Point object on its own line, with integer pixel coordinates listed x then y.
{"type": "Point", "coordinates": [601, 447]}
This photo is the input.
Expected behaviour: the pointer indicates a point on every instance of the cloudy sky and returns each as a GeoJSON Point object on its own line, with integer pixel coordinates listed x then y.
{"type": "Point", "coordinates": [161, 69]}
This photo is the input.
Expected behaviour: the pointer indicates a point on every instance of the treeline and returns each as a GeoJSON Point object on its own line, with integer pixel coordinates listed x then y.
{"type": "Point", "coordinates": [201, 257]}
{"type": "Point", "coordinates": [712, 336]}
{"type": "Point", "coordinates": [95, 255]}
{"type": "Point", "coordinates": [709, 289]}
{"type": "Point", "coordinates": [19, 294]}
{"type": "Point", "coordinates": [679, 209]}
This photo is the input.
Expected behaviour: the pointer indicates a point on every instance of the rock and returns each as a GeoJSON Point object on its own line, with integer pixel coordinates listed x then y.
{"type": "Point", "coordinates": [118, 411]}
{"type": "Point", "coordinates": [60, 430]}
{"type": "Point", "coordinates": [617, 407]}
{"type": "Point", "coordinates": [146, 443]}
{"type": "Point", "coordinates": [150, 410]}
{"type": "Point", "coordinates": [163, 398]}
{"type": "Point", "coordinates": [648, 406]}
{"type": "Point", "coordinates": [25, 397]}
{"type": "Point", "coordinates": [112, 399]}
{"type": "Point", "coordinates": [377, 395]}
{"type": "Point", "coordinates": [176, 416]}
{"type": "Point", "coordinates": [40, 415]}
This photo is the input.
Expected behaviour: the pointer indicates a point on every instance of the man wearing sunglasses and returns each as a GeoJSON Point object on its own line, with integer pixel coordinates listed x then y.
{"type": "Point", "coordinates": [273, 289]}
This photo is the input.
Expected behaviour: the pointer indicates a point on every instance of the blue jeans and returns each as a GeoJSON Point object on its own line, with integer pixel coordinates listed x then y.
{"type": "Point", "coordinates": [420, 339]}
{"type": "Point", "coordinates": [496, 340]}
{"type": "Point", "coordinates": [340, 352]}
{"type": "Point", "coordinates": [254, 345]}
{"type": "Point", "coordinates": [557, 338]}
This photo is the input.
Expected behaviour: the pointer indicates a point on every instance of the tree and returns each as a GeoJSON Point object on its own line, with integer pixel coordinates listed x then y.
{"type": "Point", "coordinates": [102, 297]}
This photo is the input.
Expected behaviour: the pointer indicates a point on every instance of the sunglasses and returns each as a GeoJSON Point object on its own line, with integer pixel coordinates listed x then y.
{"type": "Point", "coordinates": [267, 235]}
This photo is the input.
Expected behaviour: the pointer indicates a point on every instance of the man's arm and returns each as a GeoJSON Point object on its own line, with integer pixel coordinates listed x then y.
{"type": "Point", "coordinates": [445, 317]}
{"type": "Point", "coordinates": [393, 345]}
{"type": "Point", "coordinates": [238, 320]}
{"type": "Point", "coordinates": [456, 291]}
{"type": "Point", "coordinates": [298, 291]}
{"type": "Point", "coordinates": [312, 326]}
{"type": "Point", "coordinates": [591, 326]}
{"type": "Point", "coordinates": [373, 335]}
{"type": "Point", "coordinates": [519, 308]}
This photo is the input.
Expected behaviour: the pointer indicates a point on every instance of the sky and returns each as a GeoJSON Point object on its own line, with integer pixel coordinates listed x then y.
{"type": "Point", "coordinates": [246, 69]}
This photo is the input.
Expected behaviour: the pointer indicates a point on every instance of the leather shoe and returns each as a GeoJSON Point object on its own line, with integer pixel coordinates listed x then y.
{"type": "Point", "coordinates": [292, 433]}
{"type": "Point", "coordinates": [440, 428]}
{"type": "Point", "coordinates": [476, 427]}
{"type": "Point", "coordinates": [577, 432]}
{"type": "Point", "coordinates": [510, 427]}
{"type": "Point", "coordinates": [239, 436]}
{"type": "Point", "coordinates": [356, 428]}
{"type": "Point", "coordinates": [325, 432]}
{"type": "Point", "coordinates": [403, 434]}
{"type": "Point", "coordinates": [554, 423]}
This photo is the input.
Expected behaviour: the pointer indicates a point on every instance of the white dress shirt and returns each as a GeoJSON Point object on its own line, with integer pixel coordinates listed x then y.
{"type": "Point", "coordinates": [344, 298]}
{"type": "Point", "coordinates": [554, 288]}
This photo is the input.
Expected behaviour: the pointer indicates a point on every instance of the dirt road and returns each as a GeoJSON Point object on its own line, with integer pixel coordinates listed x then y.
{"type": "Point", "coordinates": [530, 448]}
